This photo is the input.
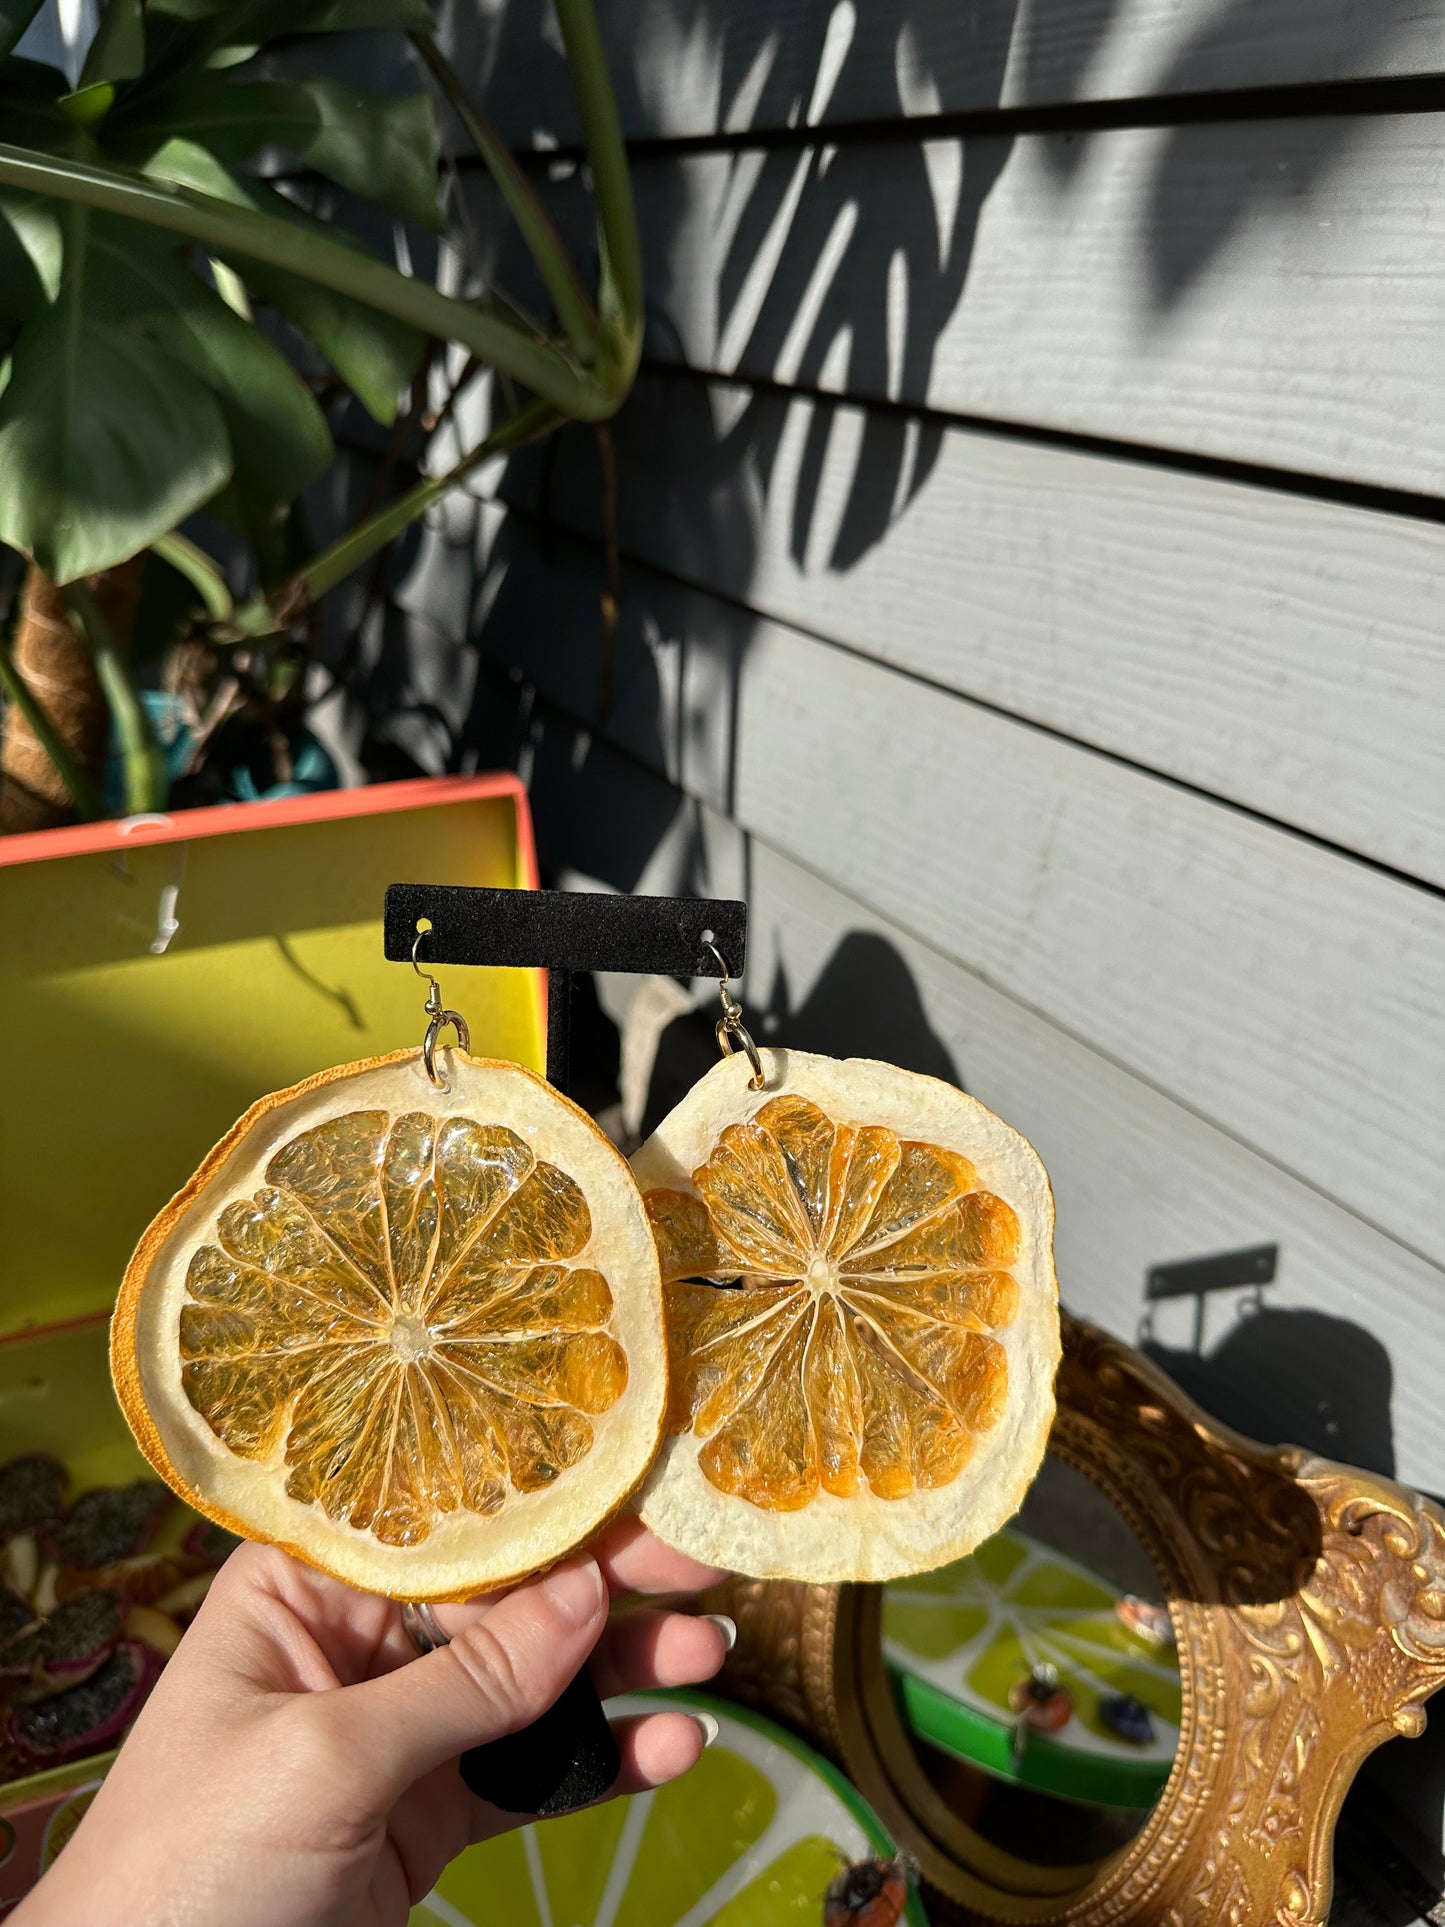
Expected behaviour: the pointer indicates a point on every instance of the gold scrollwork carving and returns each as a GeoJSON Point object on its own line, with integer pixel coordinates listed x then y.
{"type": "Point", "coordinates": [1309, 1603]}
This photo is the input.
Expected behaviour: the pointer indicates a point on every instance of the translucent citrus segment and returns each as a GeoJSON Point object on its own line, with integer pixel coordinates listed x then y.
{"type": "Point", "coordinates": [855, 1342]}
{"type": "Point", "coordinates": [380, 1314]}
{"type": "Point", "coordinates": [390, 1326]}
{"type": "Point", "coordinates": [859, 1291]}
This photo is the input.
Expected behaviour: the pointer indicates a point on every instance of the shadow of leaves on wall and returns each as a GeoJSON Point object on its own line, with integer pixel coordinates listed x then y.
{"type": "Point", "coordinates": [1263, 170]}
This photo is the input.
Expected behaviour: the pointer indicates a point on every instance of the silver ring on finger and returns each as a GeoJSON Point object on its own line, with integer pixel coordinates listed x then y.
{"type": "Point", "coordinates": [423, 1627]}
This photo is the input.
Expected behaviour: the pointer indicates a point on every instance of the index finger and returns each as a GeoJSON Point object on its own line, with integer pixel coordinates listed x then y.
{"type": "Point", "coordinates": [632, 1560]}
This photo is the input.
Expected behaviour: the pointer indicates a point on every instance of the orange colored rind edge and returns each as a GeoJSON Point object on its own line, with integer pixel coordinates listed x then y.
{"type": "Point", "coordinates": [125, 1368]}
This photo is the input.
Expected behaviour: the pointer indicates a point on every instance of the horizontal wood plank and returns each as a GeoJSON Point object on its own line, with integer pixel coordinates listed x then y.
{"type": "Point", "coordinates": [1275, 650]}
{"type": "Point", "coordinates": [1139, 1180]}
{"type": "Point", "coordinates": [1262, 292]}
{"type": "Point", "coordinates": [1286, 993]}
{"type": "Point", "coordinates": [735, 65]}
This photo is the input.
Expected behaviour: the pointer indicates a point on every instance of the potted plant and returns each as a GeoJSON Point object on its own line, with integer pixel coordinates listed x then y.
{"type": "Point", "coordinates": [148, 270]}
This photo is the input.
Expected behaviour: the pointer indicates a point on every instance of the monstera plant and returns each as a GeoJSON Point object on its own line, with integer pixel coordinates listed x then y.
{"type": "Point", "coordinates": [180, 331]}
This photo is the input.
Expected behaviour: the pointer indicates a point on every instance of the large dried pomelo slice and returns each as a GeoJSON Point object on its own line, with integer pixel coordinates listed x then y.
{"type": "Point", "coordinates": [412, 1335]}
{"type": "Point", "coordinates": [862, 1318]}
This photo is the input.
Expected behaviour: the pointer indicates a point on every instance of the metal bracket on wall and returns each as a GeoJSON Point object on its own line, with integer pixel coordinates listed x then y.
{"type": "Point", "coordinates": [1195, 1277]}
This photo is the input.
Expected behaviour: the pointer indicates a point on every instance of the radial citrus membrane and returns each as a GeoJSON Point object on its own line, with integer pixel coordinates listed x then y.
{"type": "Point", "coordinates": [862, 1319]}
{"type": "Point", "coordinates": [414, 1335]}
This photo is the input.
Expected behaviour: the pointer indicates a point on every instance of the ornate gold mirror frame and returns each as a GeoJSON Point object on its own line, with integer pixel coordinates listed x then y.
{"type": "Point", "coordinates": [1309, 1604]}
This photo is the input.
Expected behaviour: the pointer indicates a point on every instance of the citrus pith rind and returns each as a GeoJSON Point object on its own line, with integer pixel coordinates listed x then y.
{"type": "Point", "coordinates": [411, 1334]}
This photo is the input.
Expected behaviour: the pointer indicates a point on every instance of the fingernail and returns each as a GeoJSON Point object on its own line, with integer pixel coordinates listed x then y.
{"type": "Point", "coordinates": [575, 1590]}
{"type": "Point", "coordinates": [727, 1627]}
{"type": "Point", "coordinates": [706, 1725]}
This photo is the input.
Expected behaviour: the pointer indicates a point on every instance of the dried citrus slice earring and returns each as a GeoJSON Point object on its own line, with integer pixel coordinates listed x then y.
{"type": "Point", "coordinates": [862, 1315]}
{"type": "Point", "coordinates": [405, 1321]}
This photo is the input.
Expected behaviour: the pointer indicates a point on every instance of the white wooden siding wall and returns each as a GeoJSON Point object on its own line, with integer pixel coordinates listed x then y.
{"type": "Point", "coordinates": [688, 70]}
{"type": "Point", "coordinates": [1033, 557]}
{"type": "Point", "coordinates": [1165, 888]}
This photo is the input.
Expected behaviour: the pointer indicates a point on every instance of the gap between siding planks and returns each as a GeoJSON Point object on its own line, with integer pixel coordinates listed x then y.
{"type": "Point", "coordinates": [768, 64]}
{"type": "Point", "coordinates": [1278, 652]}
{"type": "Point", "coordinates": [1286, 993]}
{"type": "Point", "coordinates": [1268, 292]}
{"type": "Point", "coordinates": [1138, 1178]}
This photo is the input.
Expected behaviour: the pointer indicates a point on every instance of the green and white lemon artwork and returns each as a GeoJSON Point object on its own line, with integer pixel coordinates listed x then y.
{"type": "Point", "coordinates": [959, 1641]}
{"type": "Point", "coordinates": [751, 1837]}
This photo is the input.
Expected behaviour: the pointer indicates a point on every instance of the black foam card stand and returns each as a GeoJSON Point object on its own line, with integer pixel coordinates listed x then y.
{"type": "Point", "coordinates": [568, 1757]}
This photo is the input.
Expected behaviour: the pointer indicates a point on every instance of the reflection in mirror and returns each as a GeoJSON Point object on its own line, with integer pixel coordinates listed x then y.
{"type": "Point", "coordinates": [1038, 1683]}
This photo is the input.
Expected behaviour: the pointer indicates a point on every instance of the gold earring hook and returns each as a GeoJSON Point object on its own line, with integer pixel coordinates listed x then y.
{"type": "Point", "coordinates": [439, 1018]}
{"type": "Point", "coordinates": [730, 1031]}
{"type": "Point", "coordinates": [434, 994]}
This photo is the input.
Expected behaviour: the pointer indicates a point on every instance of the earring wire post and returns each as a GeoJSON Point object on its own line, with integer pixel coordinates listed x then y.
{"type": "Point", "coordinates": [440, 1018]}
{"type": "Point", "coordinates": [731, 1032]}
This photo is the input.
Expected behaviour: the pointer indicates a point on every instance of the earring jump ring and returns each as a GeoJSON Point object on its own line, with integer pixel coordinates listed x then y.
{"type": "Point", "coordinates": [734, 1037]}
{"type": "Point", "coordinates": [434, 1029]}
{"type": "Point", "coordinates": [440, 1018]}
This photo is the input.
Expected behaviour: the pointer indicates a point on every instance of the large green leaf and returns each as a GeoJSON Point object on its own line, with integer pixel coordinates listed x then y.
{"type": "Point", "coordinates": [30, 258]}
{"type": "Point", "coordinates": [279, 439]}
{"type": "Point", "coordinates": [278, 436]}
{"type": "Point", "coordinates": [16, 16]}
{"type": "Point", "coordinates": [118, 51]}
{"type": "Point", "coordinates": [105, 442]}
{"type": "Point", "coordinates": [22, 294]}
{"type": "Point", "coordinates": [375, 355]}
{"type": "Point", "coordinates": [217, 32]}
{"type": "Point", "coordinates": [381, 147]}
{"type": "Point", "coordinates": [257, 20]}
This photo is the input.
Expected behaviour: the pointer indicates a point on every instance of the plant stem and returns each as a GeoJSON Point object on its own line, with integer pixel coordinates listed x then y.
{"type": "Point", "coordinates": [200, 571]}
{"type": "Point", "coordinates": [143, 762]}
{"type": "Point", "coordinates": [77, 783]}
{"type": "Point", "coordinates": [618, 332]}
{"type": "Point", "coordinates": [538, 365]}
{"type": "Point", "coordinates": [611, 337]}
{"type": "Point", "coordinates": [358, 544]}
{"type": "Point", "coordinates": [407, 419]}
{"type": "Point", "coordinates": [574, 310]}
{"type": "Point", "coordinates": [621, 294]}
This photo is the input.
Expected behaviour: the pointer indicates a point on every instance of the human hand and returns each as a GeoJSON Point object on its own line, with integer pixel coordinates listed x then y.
{"type": "Point", "coordinates": [296, 1764]}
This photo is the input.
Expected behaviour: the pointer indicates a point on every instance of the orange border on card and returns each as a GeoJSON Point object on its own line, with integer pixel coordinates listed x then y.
{"type": "Point", "coordinates": [321, 806]}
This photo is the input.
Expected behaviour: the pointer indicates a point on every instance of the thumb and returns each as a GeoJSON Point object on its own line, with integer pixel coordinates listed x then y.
{"type": "Point", "coordinates": [504, 1667]}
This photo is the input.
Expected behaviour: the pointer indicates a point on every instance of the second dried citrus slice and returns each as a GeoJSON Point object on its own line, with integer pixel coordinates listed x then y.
{"type": "Point", "coordinates": [862, 1315]}
{"type": "Point", "coordinates": [413, 1335]}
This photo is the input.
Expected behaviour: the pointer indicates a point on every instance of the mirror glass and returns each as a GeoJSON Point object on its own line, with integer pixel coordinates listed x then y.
{"type": "Point", "coordinates": [1037, 1683]}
